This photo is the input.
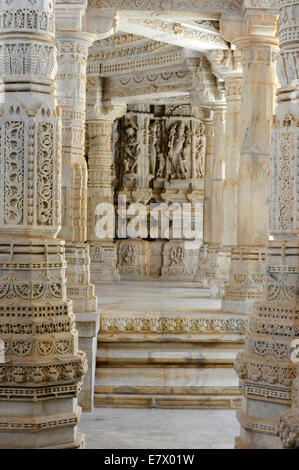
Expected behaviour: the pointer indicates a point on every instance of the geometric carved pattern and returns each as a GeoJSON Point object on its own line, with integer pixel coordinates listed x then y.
{"type": "Point", "coordinates": [177, 325]}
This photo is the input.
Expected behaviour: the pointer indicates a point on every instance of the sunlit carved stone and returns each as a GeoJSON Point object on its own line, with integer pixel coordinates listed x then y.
{"type": "Point", "coordinates": [267, 367]}
{"type": "Point", "coordinates": [257, 107]}
{"type": "Point", "coordinates": [43, 369]}
{"type": "Point", "coordinates": [72, 52]}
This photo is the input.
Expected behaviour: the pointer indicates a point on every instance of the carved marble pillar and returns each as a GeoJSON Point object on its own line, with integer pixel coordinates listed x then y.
{"type": "Point", "coordinates": [43, 369]}
{"type": "Point", "coordinates": [72, 52]}
{"type": "Point", "coordinates": [267, 367]}
{"type": "Point", "coordinates": [257, 42]}
{"type": "Point", "coordinates": [233, 121]}
{"type": "Point", "coordinates": [207, 217]}
{"type": "Point", "coordinates": [213, 260]}
{"type": "Point", "coordinates": [216, 255]}
{"type": "Point", "coordinates": [102, 251]}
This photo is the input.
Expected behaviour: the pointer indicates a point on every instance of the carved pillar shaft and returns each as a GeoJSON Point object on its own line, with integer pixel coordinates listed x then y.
{"type": "Point", "coordinates": [103, 252]}
{"type": "Point", "coordinates": [219, 158]}
{"type": "Point", "coordinates": [267, 367]}
{"type": "Point", "coordinates": [207, 218]}
{"type": "Point", "coordinates": [233, 121]}
{"type": "Point", "coordinates": [100, 163]}
{"type": "Point", "coordinates": [72, 53]}
{"type": "Point", "coordinates": [213, 260]}
{"type": "Point", "coordinates": [100, 118]}
{"type": "Point", "coordinates": [257, 106]}
{"type": "Point", "coordinates": [41, 376]}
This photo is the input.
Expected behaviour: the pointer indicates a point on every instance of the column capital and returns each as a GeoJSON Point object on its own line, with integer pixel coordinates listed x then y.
{"type": "Point", "coordinates": [83, 37]}
{"type": "Point", "coordinates": [226, 64]}
{"type": "Point", "coordinates": [73, 15]}
{"type": "Point", "coordinates": [69, 14]}
{"type": "Point", "coordinates": [204, 81]}
{"type": "Point", "coordinates": [255, 27]}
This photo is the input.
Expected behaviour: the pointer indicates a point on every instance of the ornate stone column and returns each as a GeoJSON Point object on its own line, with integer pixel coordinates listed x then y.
{"type": "Point", "coordinates": [72, 52]}
{"type": "Point", "coordinates": [255, 37]}
{"type": "Point", "coordinates": [212, 271]}
{"type": "Point", "coordinates": [100, 119]}
{"type": "Point", "coordinates": [42, 373]}
{"type": "Point", "coordinates": [207, 210]}
{"type": "Point", "coordinates": [227, 68]}
{"type": "Point", "coordinates": [266, 368]}
{"type": "Point", "coordinates": [231, 70]}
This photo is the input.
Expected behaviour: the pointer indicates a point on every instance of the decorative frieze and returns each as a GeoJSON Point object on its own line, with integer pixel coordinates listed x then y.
{"type": "Point", "coordinates": [158, 5]}
{"type": "Point", "coordinates": [178, 324]}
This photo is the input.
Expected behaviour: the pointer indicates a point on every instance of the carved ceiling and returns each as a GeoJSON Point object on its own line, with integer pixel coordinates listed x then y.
{"type": "Point", "coordinates": [169, 5]}
{"type": "Point", "coordinates": [190, 33]}
{"type": "Point", "coordinates": [148, 50]}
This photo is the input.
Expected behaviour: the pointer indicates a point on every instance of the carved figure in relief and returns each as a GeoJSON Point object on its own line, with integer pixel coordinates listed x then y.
{"type": "Point", "coordinates": [153, 129]}
{"type": "Point", "coordinates": [131, 147]}
{"type": "Point", "coordinates": [200, 157]}
{"type": "Point", "coordinates": [177, 256]}
{"type": "Point", "coordinates": [128, 255]}
{"type": "Point", "coordinates": [178, 146]}
{"type": "Point", "coordinates": [182, 165]}
{"type": "Point", "coordinates": [161, 165]}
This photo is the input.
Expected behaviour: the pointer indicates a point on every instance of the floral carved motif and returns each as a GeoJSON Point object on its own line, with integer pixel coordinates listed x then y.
{"type": "Point", "coordinates": [45, 174]}
{"type": "Point", "coordinates": [14, 172]}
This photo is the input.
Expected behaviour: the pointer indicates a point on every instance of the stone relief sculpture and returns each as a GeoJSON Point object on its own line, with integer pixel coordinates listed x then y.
{"type": "Point", "coordinates": [200, 151]}
{"type": "Point", "coordinates": [159, 157]}
{"type": "Point", "coordinates": [178, 144]}
{"type": "Point", "coordinates": [131, 147]}
{"type": "Point", "coordinates": [153, 129]}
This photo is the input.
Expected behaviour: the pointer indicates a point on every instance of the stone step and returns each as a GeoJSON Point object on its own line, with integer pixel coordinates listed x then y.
{"type": "Point", "coordinates": [151, 355]}
{"type": "Point", "coordinates": [167, 375]}
{"type": "Point", "coordinates": [167, 401]}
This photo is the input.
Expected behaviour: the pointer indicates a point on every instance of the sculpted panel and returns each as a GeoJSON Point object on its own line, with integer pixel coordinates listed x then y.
{"type": "Point", "coordinates": [175, 5]}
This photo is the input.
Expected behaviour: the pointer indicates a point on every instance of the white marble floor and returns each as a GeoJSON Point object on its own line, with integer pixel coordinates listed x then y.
{"type": "Point", "coordinates": [155, 296]}
{"type": "Point", "coordinates": [108, 428]}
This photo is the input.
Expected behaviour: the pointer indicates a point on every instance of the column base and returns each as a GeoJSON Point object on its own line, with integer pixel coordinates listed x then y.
{"type": "Point", "coordinates": [246, 277]}
{"type": "Point", "coordinates": [289, 429]}
{"type": "Point", "coordinates": [134, 259]}
{"type": "Point", "coordinates": [213, 270]}
{"type": "Point", "coordinates": [41, 424]}
{"type": "Point", "coordinates": [88, 325]}
{"type": "Point", "coordinates": [180, 260]}
{"type": "Point", "coordinates": [79, 288]}
{"type": "Point", "coordinates": [82, 293]}
{"type": "Point", "coordinates": [103, 263]}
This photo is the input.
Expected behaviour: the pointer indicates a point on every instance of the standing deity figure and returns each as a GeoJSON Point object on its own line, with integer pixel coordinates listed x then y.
{"type": "Point", "coordinates": [200, 157]}
{"type": "Point", "coordinates": [178, 146]}
{"type": "Point", "coordinates": [177, 256]}
{"type": "Point", "coordinates": [182, 161]}
{"type": "Point", "coordinates": [175, 147]}
{"type": "Point", "coordinates": [131, 147]}
{"type": "Point", "coordinates": [161, 165]}
{"type": "Point", "coordinates": [153, 133]}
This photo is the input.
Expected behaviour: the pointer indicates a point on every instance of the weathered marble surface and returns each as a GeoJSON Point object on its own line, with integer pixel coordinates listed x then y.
{"type": "Point", "coordinates": [159, 429]}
